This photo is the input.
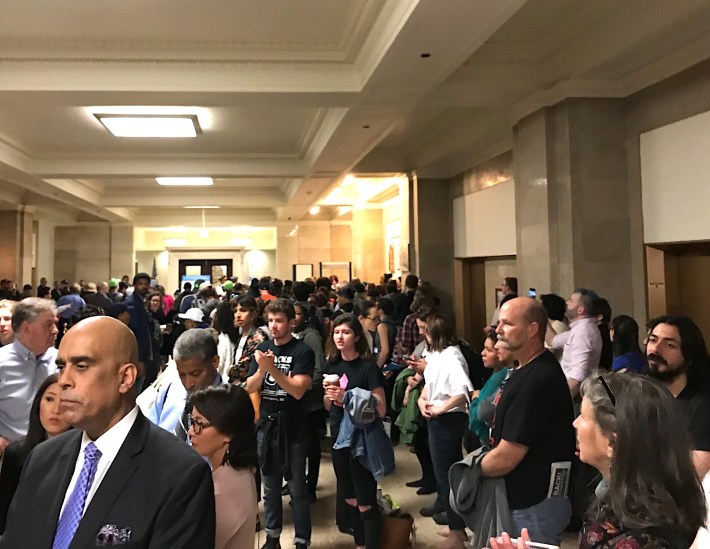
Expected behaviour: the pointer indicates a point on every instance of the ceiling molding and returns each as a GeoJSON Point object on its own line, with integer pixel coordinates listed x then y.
{"type": "Point", "coordinates": [142, 167]}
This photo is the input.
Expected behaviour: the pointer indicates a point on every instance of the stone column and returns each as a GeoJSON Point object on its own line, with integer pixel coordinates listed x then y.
{"type": "Point", "coordinates": [432, 214]}
{"type": "Point", "coordinates": [572, 200]}
{"type": "Point", "coordinates": [16, 245]}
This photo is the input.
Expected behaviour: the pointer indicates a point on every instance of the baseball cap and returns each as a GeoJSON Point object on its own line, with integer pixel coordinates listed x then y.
{"type": "Point", "coordinates": [193, 313]}
{"type": "Point", "coordinates": [113, 283]}
{"type": "Point", "coordinates": [206, 284]}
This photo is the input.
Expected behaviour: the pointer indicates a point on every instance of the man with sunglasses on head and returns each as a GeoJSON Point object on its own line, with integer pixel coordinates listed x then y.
{"type": "Point", "coordinates": [678, 357]}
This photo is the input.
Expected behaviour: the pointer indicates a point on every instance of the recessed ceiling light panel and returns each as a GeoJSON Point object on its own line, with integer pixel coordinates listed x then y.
{"type": "Point", "coordinates": [185, 181]}
{"type": "Point", "coordinates": [202, 207]}
{"type": "Point", "coordinates": [140, 125]}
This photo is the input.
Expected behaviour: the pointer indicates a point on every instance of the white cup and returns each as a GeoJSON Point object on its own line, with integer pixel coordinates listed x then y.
{"type": "Point", "coordinates": [331, 379]}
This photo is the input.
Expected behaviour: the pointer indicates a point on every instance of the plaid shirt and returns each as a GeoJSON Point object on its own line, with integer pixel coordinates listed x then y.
{"type": "Point", "coordinates": [407, 339]}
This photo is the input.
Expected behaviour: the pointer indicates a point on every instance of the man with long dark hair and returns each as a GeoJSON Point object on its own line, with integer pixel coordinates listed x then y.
{"type": "Point", "coordinates": [678, 357]}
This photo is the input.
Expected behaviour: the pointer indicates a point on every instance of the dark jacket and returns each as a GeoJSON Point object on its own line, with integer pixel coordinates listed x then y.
{"type": "Point", "coordinates": [153, 484]}
{"type": "Point", "coordinates": [12, 462]}
{"type": "Point", "coordinates": [141, 326]}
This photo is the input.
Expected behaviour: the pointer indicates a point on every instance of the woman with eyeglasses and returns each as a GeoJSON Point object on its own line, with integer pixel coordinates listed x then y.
{"type": "Point", "coordinates": [631, 431]}
{"type": "Point", "coordinates": [222, 430]}
{"type": "Point", "coordinates": [45, 422]}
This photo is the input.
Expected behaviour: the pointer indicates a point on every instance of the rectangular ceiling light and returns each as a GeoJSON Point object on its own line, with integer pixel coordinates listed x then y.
{"type": "Point", "coordinates": [142, 125]}
{"type": "Point", "coordinates": [202, 207]}
{"type": "Point", "coordinates": [185, 181]}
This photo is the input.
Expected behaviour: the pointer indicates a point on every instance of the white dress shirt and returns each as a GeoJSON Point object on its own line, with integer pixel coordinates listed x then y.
{"type": "Point", "coordinates": [581, 348]}
{"type": "Point", "coordinates": [108, 444]}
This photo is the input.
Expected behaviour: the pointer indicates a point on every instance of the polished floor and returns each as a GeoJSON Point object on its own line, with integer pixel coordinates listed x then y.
{"type": "Point", "coordinates": [326, 534]}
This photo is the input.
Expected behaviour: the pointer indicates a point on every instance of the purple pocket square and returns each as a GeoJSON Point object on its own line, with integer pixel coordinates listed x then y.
{"type": "Point", "coordinates": [111, 535]}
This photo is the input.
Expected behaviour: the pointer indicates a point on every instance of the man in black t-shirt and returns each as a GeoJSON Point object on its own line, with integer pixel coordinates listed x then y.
{"type": "Point", "coordinates": [533, 440]}
{"type": "Point", "coordinates": [282, 370]}
{"type": "Point", "coordinates": [678, 358]}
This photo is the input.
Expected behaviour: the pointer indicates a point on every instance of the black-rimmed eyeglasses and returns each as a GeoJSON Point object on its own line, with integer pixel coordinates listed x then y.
{"type": "Point", "coordinates": [196, 424]}
{"type": "Point", "coordinates": [608, 390]}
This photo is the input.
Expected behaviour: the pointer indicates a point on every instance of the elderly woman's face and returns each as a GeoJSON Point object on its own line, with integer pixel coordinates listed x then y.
{"type": "Point", "coordinates": [594, 448]}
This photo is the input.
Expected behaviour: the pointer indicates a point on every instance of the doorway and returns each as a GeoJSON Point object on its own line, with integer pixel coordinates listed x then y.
{"type": "Point", "coordinates": [207, 269]}
{"type": "Point", "coordinates": [676, 275]}
{"type": "Point", "coordinates": [470, 302]}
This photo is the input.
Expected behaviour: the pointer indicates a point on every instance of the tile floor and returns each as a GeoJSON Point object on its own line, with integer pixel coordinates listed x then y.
{"type": "Point", "coordinates": [326, 534]}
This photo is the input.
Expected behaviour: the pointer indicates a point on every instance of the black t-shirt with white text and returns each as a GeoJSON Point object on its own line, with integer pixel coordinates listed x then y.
{"type": "Point", "coordinates": [361, 373]}
{"type": "Point", "coordinates": [535, 410]}
{"type": "Point", "coordinates": [696, 407]}
{"type": "Point", "coordinates": [293, 358]}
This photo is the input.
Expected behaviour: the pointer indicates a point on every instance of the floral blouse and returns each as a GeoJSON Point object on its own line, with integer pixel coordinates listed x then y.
{"type": "Point", "coordinates": [610, 534]}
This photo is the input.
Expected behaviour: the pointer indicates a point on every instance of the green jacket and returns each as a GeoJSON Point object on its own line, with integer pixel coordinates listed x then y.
{"type": "Point", "coordinates": [409, 414]}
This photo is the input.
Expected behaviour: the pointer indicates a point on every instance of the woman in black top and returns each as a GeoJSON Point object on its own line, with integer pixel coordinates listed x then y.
{"type": "Point", "coordinates": [45, 422]}
{"type": "Point", "coordinates": [350, 358]}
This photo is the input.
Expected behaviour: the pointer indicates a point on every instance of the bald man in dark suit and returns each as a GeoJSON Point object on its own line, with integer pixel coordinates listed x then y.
{"type": "Point", "coordinates": [116, 479]}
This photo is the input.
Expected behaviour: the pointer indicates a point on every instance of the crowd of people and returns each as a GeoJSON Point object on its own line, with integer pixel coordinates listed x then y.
{"type": "Point", "coordinates": [125, 409]}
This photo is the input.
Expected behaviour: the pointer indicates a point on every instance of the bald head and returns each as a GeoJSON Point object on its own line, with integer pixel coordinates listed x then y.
{"type": "Point", "coordinates": [123, 347]}
{"type": "Point", "coordinates": [521, 327]}
{"type": "Point", "coordinates": [97, 361]}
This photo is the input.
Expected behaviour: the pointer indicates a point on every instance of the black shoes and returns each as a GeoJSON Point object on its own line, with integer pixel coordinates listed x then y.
{"type": "Point", "coordinates": [426, 490]}
{"type": "Point", "coordinates": [441, 519]}
{"type": "Point", "coordinates": [415, 483]}
{"type": "Point", "coordinates": [271, 543]}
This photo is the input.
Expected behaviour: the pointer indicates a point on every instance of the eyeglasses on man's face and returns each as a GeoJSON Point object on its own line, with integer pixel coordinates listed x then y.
{"type": "Point", "coordinates": [196, 424]}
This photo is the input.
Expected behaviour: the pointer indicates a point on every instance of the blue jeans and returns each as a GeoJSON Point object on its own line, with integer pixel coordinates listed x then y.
{"type": "Point", "coordinates": [445, 435]}
{"type": "Point", "coordinates": [300, 501]}
{"type": "Point", "coordinates": [546, 521]}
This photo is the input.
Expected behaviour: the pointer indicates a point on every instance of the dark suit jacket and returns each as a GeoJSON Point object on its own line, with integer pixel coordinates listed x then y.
{"type": "Point", "coordinates": [157, 486]}
{"type": "Point", "coordinates": [12, 462]}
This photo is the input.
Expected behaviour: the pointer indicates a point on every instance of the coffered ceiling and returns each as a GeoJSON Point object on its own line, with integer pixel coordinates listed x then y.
{"type": "Point", "coordinates": [294, 94]}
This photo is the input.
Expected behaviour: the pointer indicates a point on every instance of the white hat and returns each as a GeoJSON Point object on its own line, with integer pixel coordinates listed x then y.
{"type": "Point", "coordinates": [194, 313]}
{"type": "Point", "coordinates": [206, 284]}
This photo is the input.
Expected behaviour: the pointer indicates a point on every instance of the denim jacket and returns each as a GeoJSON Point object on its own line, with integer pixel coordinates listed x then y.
{"type": "Point", "coordinates": [362, 431]}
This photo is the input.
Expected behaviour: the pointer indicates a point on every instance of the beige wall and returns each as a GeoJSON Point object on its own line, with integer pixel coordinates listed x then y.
{"type": "Point", "coordinates": [368, 245]}
{"type": "Point", "coordinates": [83, 253]}
{"type": "Point", "coordinates": [312, 243]}
{"type": "Point", "coordinates": [683, 95]}
{"type": "Point", "coordinates": [93, 252]}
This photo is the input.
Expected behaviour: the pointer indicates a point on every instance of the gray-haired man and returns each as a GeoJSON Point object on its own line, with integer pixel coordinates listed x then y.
{"type": "Point", "coordinates": [25, 364]}
{"type": "Point", "coordinates": [196, 358]}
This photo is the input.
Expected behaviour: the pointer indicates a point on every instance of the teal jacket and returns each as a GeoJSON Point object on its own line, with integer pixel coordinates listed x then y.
{"type": "Point", "coordinates": [475, 425]}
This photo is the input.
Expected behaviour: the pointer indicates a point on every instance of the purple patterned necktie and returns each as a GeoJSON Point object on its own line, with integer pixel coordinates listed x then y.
{"type": "Point", "coordinates": [74, 509]}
